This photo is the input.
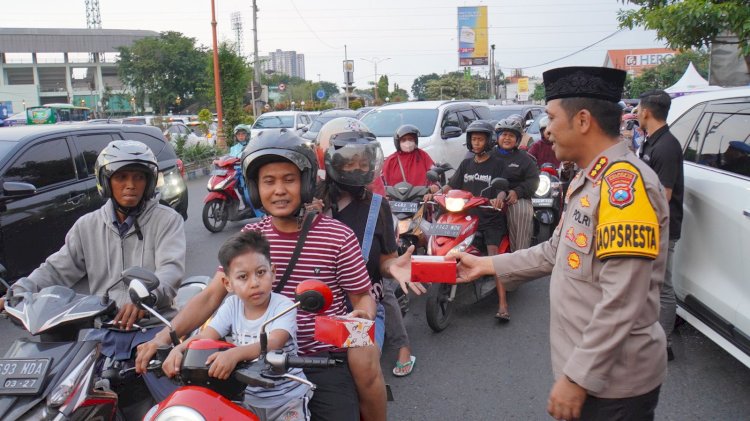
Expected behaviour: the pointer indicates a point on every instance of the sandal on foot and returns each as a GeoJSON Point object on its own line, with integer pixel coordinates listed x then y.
{"type": "Point", "coordinates": [404, 369]}
{"type": "Point", "coordinates": [502, 316]}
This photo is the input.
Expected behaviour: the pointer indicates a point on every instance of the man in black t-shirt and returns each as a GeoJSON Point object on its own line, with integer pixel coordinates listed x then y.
{"type": "Point", "coordinates": [474, 175]}
{"type": "Point", "coordinates": [663, 153]}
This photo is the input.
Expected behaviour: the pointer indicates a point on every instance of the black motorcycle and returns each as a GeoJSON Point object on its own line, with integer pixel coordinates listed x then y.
{"type": "Point", "coordinates": [62, 375]}
{"type": "Point", "coordinates": [548, 203]}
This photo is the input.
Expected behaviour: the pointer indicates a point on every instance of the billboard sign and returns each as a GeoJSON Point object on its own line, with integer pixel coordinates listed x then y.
{"type": "Point", "coordinates": [472, 36]}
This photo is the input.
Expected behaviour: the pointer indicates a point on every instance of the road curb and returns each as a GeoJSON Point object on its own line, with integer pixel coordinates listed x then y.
{"type": "Point", "coordinates": [198, 172]}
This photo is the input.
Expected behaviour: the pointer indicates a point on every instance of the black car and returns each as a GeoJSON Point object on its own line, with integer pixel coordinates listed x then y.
{"type": "Point", "coordinates": [47, 178]}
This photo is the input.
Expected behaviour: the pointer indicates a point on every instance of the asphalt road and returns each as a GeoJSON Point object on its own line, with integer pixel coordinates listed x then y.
{"type": "Point", "coordinates": [478, 369]}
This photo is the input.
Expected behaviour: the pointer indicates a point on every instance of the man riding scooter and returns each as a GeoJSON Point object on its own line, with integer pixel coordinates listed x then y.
{"type": "Point", "coordinates": [130, 229]}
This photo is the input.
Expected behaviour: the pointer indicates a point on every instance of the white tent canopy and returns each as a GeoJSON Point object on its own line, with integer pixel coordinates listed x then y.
{"type": "Point", "coordinates": [690, 82]}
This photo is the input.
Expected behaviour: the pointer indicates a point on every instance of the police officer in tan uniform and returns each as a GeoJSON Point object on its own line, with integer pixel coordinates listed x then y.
{"type": "Point", "coordinates": [607, 258]}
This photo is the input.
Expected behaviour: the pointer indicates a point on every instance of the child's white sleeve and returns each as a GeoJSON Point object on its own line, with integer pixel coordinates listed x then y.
{"type": "Point", "coordinates": [224, 317]}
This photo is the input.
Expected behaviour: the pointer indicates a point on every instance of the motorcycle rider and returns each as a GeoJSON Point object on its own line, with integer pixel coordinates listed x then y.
{"type": "Point", "coordinates": [523, 176]}
{"type": "Point", "coordinates": [130, 229]}
{"type": "Point", "coordinates": [281, 172]}
{"type": "Point", "coordinates": [241, 137]}
{"type": "Point", "coordinates": [409, 163]}
{"type": "Point", "coordinates": [541, 150]}
{"type": "Point", "coordinates": [474, 174]}
{"type": "Point", "coordinates": [352, 160]}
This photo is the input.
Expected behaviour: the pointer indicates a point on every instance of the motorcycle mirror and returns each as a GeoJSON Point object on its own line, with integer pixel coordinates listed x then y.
{"type": "Point", "coordinates": [313, 296]}
{"type": "Point", "coordinates": [433, 176]}
{"type": "Point", "coordinates": [147, 279]}
{"type": "Point", "coordinates": [138, 292]}
{"type": "Point", "coordinates": [499, 183]}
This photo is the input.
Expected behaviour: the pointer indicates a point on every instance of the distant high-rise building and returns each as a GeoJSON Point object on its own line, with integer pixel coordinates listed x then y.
{"type": "Point", "coordinates": [287, 62]}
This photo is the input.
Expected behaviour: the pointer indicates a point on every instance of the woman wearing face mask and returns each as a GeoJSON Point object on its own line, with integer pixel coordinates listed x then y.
{"type": "Point", "coordinates": [408, 163]}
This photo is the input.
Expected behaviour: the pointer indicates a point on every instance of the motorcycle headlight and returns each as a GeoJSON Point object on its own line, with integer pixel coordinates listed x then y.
{"type": "Point", "coordinates": [179, 413]}
{"type": "Point", "coordinates": [544, 185]}
{"type": "Point", "coordinates": [463, 246]}
{"type": "Point", "coordinates": [70, 383]}
{"type": "Point", "coordinates": [454, 204]}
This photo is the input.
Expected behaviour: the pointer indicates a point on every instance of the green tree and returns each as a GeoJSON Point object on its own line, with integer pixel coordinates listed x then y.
{"type": "Point", "coordinates": [399, 94]}
{"type": "Point", "coordinates": [667, 73]}
{"type": "Point", "coordinates": [539, 93]}
{"type": "Point", "coordinates": [452, 85]}
{"type": "Point", "coordinates": [382, 88]}
{"type": "Point", "coordinates": [686, 24]}
{"type": "Point", "coordinates": [419, 87]}
{"type": "Point", "coordinates": [235, 76]}
{"type": "Point", "coordinates": [163, 68]}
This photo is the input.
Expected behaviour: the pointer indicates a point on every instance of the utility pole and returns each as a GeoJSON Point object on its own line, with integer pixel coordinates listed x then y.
{"type": "Point", "coordinates": [221, 141]}
{"type": "Point", "coordinates": [375, 62]}
{"type": "Point", "coordinates": [256, 60]}
{"type": "Point", "coordinates": [493, 94]}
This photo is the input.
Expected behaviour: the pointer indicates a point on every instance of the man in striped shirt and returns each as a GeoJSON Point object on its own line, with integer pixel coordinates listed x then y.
{"type": "Point", "coordinates": [281, 174]}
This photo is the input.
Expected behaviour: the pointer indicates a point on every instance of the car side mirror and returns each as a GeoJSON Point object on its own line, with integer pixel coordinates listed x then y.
{"type": "Point", "coordinates": [451, 132]}
{"type": "Point", "coordinates": [18, 189]}
{"type": "Point", "coordinates": [313, 296]}
{"type": "Point", "coordinates": [528, 123]}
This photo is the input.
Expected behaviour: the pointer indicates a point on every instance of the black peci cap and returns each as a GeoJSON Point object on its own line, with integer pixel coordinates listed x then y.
{"type": "Point", "coordinates": [584, 82]}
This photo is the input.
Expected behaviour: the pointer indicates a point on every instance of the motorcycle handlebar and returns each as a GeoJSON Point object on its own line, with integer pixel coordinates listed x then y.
{"type": "Point", "coordinates": [310, 362]}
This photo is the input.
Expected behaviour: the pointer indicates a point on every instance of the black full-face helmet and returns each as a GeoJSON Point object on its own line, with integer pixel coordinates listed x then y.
{"type": "Point", "coordinates": [130, 155]}
{"type": "Point", "coordinates": [483, 127]}
{"type": "Point", "coordinates": [403, 131]}
{"type": "Point", "coordinates": [279, 145]}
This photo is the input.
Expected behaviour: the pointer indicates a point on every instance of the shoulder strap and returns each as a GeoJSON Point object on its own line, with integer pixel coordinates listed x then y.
{"type": "Point", "coordinates": [372, 219]}
{"type": "Point", "coordinates": [309, 218]}
{"type": "Point", "coordinates": [401, 167]}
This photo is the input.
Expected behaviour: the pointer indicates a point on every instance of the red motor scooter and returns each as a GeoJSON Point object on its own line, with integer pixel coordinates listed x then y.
{"type": "Point", "coordinates": [208, 398]}
{"type": "Point", "coordinates": [222, 203]}
{"type": "Point", "coordinates": [457, 231]}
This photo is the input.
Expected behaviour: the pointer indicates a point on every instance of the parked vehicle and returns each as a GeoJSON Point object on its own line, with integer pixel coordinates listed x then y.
{"type": "Point", "coordinates": [533, 128]}
{"type": "Point", "coordinates": [312, 132]}
{"type": "Point", "coordinates": [207, 398]}
{"type": "Point", "coordinates": [548, 203]}
{"type": "Point", "coordinates": [18, 119]}
{"type": "Point", "coordinates": [527, 111]}
{"type": "Point", "coordinates": [455, 231]}
{"type": "Point", "coordinates": [442, 126]}
{"type": "Point", "coordinates": [61, 376]}
{"type": "Point", "coordinates": [176, 130]}
{"type": "Point", "coordinates": [294, 120]}
{"type": "Point", "coordinates": [47, 176]}
{"type": "Point", "coordinates": [56, 113]}
{"type": "Point", "coordinates": [222, 203]}
{"type": "Point", "coordinates": [711, 258]}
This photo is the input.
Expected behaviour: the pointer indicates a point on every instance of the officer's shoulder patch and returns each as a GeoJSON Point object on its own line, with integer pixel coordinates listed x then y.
{"type": "Point", "coordinates": [627, 225]}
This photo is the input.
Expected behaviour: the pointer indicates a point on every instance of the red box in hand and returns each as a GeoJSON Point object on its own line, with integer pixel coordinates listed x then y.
{"type": "Point", "coordinates": [433, 269]}
{"type": "Point", "coordinates": [344, 332]}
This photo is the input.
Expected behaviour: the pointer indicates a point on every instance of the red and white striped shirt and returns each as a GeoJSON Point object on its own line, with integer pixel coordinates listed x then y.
{"type": "Point", "coordinates": [331, 254]}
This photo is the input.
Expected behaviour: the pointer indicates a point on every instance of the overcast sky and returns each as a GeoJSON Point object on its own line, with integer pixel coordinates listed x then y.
{"type": "Point", "coordinates": [416, 36]}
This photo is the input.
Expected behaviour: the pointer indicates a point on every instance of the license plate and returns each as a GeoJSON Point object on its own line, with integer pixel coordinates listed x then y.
{"type": "Point", "coordinates": [22, 377]}
{"type": "Point", "coordinates": [404, 207]}
{"type": "Point", "coordinates": [445, 230]}
{"type": "Point", "coordinates": [542, 201]}
{"type": "Point", "coordinates": [219, 172]}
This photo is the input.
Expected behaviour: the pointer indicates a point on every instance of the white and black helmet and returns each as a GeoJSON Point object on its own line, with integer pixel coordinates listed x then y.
{"type": "Point", "coordinates": [125, 153]}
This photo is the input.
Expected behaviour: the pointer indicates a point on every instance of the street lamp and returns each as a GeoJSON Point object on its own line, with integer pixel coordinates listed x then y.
{"type": "Point", "coordinates": [387, 99]}
{"type": "Point", "coordinates": [24, 104]}
{"type": "Point", "coordinates": [302, 104]}
{"type": "Point", "coordinates": [177, 101]}
{"type": "Point", "coordinates": [293, 104]}
{"type": "Point", "coordinates": [83, 102]}
{"type": "Point", "coordinates": [375, 62]}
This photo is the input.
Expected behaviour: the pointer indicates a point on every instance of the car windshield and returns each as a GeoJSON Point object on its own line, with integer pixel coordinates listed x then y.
{"type": "Point", "coordinates": [319, 122]}
{"type": "Point", "coordinates": [384, 122]}
{"type": "Point", "coordinates": [274, 122]}
{"type": "Point", "coordinates": [499, 114]}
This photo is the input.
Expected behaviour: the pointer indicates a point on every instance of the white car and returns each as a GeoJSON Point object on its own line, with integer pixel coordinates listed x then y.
{"type": "Point", "coordinates": [442, 126]}
{"type": "Point", "coordinates": [294, 120]}
{"type": "Point", "coordinates": [712, 257]}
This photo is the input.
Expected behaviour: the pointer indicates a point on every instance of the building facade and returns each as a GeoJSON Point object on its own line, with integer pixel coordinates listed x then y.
{"type": "Point", "coordinates": [635, 61]}
{"type": "Point", "coordinates": [75, 66]}
{"type": "Point", "coordinates": [286, 62]}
